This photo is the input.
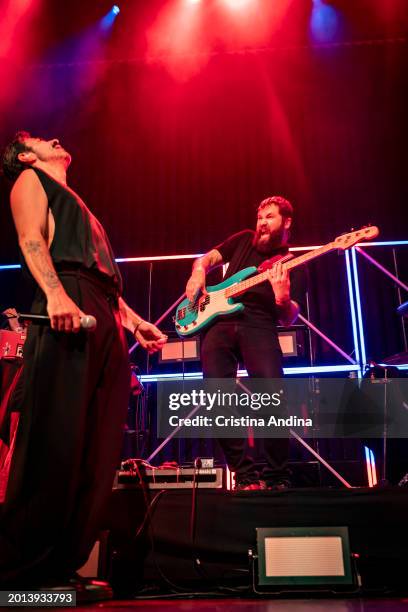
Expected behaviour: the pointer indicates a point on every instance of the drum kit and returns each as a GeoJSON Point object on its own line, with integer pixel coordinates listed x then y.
{"type": "Point", "coordinates": [12, 339]}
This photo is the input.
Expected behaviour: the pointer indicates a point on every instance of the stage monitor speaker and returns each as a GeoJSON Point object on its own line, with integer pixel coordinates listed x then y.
{"type": "Point", "coordinates": [288, 343]}
{"type": "Point", "coordinates": [304, 556]}
{"type": "Point", "coordinates": [180, 350]}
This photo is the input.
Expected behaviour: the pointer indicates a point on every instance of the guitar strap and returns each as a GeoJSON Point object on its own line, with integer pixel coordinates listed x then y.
{"type": "Point", "coordinates": [238, 259]}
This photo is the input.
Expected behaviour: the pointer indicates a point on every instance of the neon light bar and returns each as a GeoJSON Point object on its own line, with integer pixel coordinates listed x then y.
{"type": "Point", "coordinates": [385, 243]}
{"type": "Point", "coordinates": [162, 257]}
{"type": "Point", "coordinates": [193, 256]}
{"type": "Point", "coordinates": [321, 369]}
{"type": "Point", "coordinates": [368, 466]}
{"type": "Point", "coordinates": [305, 248]}
{"type": "Point", "coordinates": [243, 373]}
{"type": "Point", "coordinates": [358, 305]}
{"type": "Point", "coordinates": [127, 259]}
{"type": "Point", "coordinates": [383, 269]}
{"type": "Point", "coordinates": [157, 258]}
{"type": "Point", "coordinates": [352, 309]}
{"type": "Point", "coordinates": [402, 366]}
{"type": "Point", "coordinates": [373, 468]}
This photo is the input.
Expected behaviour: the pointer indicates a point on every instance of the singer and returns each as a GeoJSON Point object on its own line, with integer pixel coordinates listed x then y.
{"type": "Point", "coordinates": [75, 383]}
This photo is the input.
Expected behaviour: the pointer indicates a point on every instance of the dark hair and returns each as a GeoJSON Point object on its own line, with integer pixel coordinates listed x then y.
{"type": "Point", "coordinates": [12, 166]}
{"type": "Point", "coordinates": [284, 206]}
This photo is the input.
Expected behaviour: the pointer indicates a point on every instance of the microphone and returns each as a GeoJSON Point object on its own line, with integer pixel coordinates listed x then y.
{"type": "Point", "coordinates": [87, 322]}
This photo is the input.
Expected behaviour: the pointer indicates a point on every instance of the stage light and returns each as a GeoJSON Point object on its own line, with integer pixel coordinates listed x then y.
{"type": "Point", "coordinates": [237, 4]}
{"type": "Point", "coordinates": [371, 468]}
{"type": "Point", "coordinates": [325, 22]}
{"type": "Point", "coordinates": [308, 556]}
{"type": "Point", "coordinates": [108, 20]}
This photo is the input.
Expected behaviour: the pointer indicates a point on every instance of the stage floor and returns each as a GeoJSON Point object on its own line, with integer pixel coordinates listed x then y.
{"type": "Point", "coordinates": [246, 605]}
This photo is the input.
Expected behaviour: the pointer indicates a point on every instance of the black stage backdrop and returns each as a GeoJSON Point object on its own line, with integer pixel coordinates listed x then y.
{"type": "Point", "coordinates": [174, 166]}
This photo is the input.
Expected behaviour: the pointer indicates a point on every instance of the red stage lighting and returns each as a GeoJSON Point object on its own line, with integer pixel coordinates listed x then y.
{"type": "Point", "coordinates": [237, 4]}
{"type": "Point", "coordinates": [178, 38]}
{"type": "Point", "coordinates": [17, 39]}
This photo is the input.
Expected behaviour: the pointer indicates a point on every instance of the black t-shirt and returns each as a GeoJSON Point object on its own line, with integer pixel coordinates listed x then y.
{"type": "Point", "coordinates": [260, 306]}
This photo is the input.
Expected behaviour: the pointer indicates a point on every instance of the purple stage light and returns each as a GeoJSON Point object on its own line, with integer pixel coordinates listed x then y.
{"type": "Point", "coordinates": [325, 22]}
{"type": "Point", "coordinates": [115, 9]}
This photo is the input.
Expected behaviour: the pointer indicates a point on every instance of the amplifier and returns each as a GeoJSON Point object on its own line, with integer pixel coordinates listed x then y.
{"type": "Point", "coordinates": [11, 344]}
{"type": "Point", "coordinates": [179, 478]}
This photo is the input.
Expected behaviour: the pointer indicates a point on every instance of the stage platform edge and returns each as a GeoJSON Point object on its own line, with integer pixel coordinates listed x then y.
{"type": "Point", "coordinates": [225, 529]}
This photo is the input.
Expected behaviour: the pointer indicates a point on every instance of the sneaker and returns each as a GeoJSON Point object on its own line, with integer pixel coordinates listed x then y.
{"type": "Point", "coordinates": [254, 485]}
{"type": "Point", "coordinates": [279, 485]}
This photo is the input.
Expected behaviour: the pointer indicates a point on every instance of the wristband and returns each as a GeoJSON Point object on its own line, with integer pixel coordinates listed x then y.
{"type": "Point", "coordinates": [137, 326]}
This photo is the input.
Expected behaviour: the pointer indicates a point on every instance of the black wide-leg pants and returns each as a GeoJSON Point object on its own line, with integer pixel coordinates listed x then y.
{"type": "Point", "coordinates": [74, 401]}
{"type": "Point", "coordinates": [222, 347]}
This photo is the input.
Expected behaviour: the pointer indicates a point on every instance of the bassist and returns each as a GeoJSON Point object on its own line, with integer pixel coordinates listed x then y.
{"type": "Point", "coordinates": [250, 336]}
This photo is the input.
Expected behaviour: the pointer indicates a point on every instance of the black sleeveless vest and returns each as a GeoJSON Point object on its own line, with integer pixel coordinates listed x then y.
{"type": "Point", "coordinates": [79, 238]}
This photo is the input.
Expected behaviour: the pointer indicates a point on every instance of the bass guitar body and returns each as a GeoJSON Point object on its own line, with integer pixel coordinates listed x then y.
{"type": "Point", "coordinates": [193, 317]}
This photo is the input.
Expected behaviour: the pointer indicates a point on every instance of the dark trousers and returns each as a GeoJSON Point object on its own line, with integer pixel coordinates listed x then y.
{"type": "Point", "coordinates": [73, 407]}
{"type": "Point", "coordinates": [223, 346]}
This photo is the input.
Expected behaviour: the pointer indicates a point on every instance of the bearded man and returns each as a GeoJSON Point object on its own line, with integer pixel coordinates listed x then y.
{"type": "Point", "coordinates": [250, 336]}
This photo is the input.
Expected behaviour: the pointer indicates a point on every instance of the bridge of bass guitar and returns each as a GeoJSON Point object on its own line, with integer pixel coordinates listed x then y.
{"type": "Point", "coordinates": [188, 313]}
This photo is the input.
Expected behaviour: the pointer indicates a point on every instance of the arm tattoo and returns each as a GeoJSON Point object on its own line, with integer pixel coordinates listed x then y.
{"type": "Point", "coordinates": [51, 279]}
{"type": "Point", "coordinates": [35, 249]}
{"type": "Point", "coordinates": [33, 246]}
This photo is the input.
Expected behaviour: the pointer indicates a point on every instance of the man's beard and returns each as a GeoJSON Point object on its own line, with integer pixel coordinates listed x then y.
{"type": "Point", "coordinates": [274, 240]}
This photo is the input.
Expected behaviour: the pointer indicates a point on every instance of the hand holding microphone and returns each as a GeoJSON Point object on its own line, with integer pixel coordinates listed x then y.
{"type": "Point", "coordinates": [86, 322]}
{"type": "Point", "coordinates": [63, 314]}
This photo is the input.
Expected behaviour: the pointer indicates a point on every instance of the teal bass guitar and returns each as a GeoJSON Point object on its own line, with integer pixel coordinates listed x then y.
{"type": "Point", "coordinates": [193, 317]}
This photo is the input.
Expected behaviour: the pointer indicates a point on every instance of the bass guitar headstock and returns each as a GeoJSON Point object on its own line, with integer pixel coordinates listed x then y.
{"type": "Point", "coordinates": [346, 241]}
